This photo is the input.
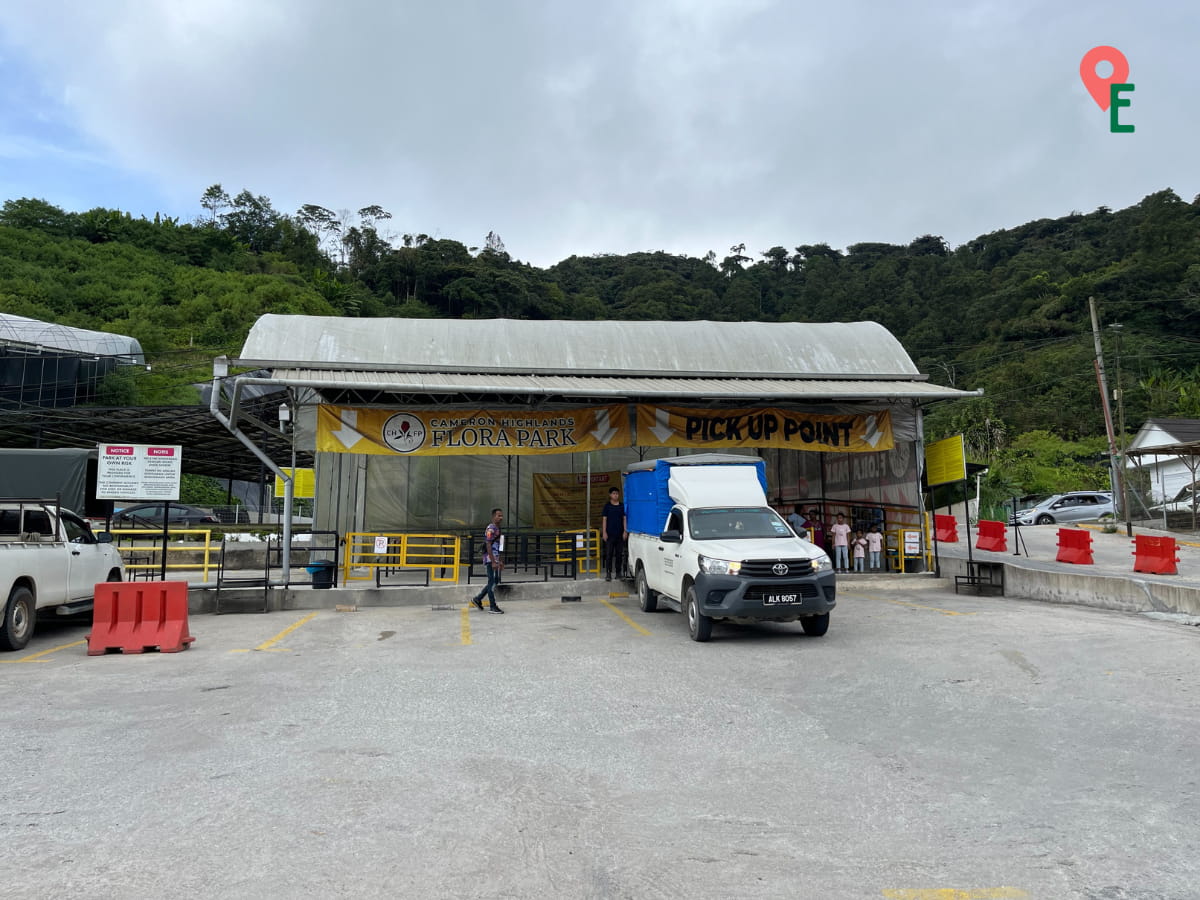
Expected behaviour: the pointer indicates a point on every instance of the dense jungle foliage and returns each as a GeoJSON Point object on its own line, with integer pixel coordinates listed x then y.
{"type": "Point", "coordinates": [1006, 312]}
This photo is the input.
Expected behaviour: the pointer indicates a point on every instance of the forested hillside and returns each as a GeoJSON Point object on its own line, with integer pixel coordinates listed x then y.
{"type": "Point", "coordinates": [1006, 312]}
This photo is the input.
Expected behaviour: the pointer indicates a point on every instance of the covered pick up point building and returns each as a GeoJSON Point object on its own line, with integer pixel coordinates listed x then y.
{"type": "Point", "coordinates": [426, 424]}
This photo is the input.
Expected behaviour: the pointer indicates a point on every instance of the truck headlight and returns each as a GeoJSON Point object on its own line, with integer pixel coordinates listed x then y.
{"type": "Point", "coordinates": [710, 566]}
{"type": "Point", "coordinates": [821, 563]}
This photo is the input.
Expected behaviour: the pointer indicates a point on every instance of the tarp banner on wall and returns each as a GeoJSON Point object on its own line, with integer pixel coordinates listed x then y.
{"type": "Point", "coordinates": [718, 429]}
{"type": "Point", "coordinates": [391, 432]}
{"type": "Point", "coordinates": [560, 498]}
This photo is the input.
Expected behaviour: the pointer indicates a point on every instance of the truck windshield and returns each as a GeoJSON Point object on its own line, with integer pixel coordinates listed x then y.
{"type": "Point", "coordinates": [737, 522]}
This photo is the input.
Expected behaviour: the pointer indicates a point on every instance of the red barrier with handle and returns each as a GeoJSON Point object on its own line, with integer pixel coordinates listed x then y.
{"type": "Point", "coordinates": [1155, 555]}
{"type": "Point", "coordinates": [992, 536]}
{"type": "Point", "coordinates": [1075, 546]}
{"type": "Point", "coordinates": [134, 618]}
{"type": "Point", "coordinates": [946, 529]}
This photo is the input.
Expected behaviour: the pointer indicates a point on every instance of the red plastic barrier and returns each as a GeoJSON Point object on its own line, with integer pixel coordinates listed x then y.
{"type": "Point", "coordinates": [1155, 555]}
{"type": "Point", "coordinates": [134, 618]}
{"type": "Point", "coordinates": [1075, 546]}
{"type": "Point", "coordinates": [992, 536]}
{"type": "Point", "coordinates": [946, 528]}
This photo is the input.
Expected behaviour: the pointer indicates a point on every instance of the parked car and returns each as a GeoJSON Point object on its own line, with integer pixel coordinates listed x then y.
{"type": "Point", "coordinates": [180, 515]}
{"type": "Point", "coordinates": [48, 557]}
{"type": "Point", "coordinates": [1180, 503]}
{"type": "Point", "coordinates": [1077, 506]}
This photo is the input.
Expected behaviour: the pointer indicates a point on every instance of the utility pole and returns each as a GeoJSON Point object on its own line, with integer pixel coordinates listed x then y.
{"type": "Point", "coordinates": [1114, 475]}
{"type": "Point", "coordinates": [1119, 396]}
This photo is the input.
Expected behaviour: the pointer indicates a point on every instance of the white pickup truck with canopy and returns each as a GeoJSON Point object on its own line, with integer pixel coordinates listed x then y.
{"type": "Point", "coordinates": [703, 541]}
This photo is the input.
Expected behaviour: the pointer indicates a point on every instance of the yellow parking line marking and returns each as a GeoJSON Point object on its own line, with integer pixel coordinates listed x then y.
{"type": "Point", "coordinates": [996, 893]}
{"type": "Point", "coordinates": [36, 657]}
{"type": "Point", "coordinates": [267, 645]}
{"type": "Point", "coordinates": [270, 645]}
{"type": "Point", "coordinates": [465, 627]}
{"type": "Point", "coordinates": [628, 621]}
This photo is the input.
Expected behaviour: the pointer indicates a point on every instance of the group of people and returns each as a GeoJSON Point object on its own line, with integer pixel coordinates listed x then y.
{"type": "Point", "coordinates": [862, 546]}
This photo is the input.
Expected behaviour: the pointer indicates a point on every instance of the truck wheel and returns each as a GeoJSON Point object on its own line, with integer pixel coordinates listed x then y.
{"type": "Point", "coordinates": [699, 625]}
{"type": "Point", "coordinates": [647, 599]}
{"type": "Point", "coordinates": [19, 618]}
{"type": "Point", "coordinates": [114, 575]}
{"type": "Point", "coordinates": [815, 626]}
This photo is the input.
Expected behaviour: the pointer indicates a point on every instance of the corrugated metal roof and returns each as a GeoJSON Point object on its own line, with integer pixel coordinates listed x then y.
{"type": "Point", "coordinates": [654, 349]}
{"type": "Point", "coordinates": [745, 389]}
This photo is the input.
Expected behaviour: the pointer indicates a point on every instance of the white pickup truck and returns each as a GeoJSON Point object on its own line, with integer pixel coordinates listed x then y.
{"type": "Point", "coordinates": [703, 541]}
{"type": "Point", "coordinates": [48, 557]}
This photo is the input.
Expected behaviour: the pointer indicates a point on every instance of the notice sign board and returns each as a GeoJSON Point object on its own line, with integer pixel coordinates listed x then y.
{"type": "Point", "coordinates": [912, 543]}
{"type": "Point", "coordinates": [946, 461]}
{"type": "Point", "coordinates": [138, 472]}
{"type": "Point", "coordinates": [304, 483]}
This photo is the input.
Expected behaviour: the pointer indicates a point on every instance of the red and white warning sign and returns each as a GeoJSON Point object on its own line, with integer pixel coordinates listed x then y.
{"type": "Point", "coordinates": [138, 472]}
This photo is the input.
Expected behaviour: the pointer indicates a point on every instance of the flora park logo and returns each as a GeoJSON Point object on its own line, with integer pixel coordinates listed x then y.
{"type": "Point", "coordinates": [1107, 90]}
{"type": "Point", "coordinates": [404, 433]}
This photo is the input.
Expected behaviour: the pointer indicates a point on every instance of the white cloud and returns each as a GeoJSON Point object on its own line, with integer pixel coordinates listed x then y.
{"type": "Point", "coordinates": [614, 127]}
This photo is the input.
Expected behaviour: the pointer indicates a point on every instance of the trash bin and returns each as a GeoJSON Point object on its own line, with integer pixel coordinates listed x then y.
{"type": "Point", "coordinates": [323, 572]}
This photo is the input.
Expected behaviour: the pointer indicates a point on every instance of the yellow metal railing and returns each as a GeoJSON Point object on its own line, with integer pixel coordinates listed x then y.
{"type": "Point", "coordinates": [375, 551]}
{"type": "Point", "coordinates": [584, 544]}
{"type": "Point", "coordinates": [141, 557]}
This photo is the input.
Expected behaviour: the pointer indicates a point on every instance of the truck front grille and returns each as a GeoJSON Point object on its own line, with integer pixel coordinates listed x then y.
{"type": "Point", "coordinates": [766, 568]}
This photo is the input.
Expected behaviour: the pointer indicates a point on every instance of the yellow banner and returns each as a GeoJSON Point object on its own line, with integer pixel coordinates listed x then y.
{"type": "Point", "coordinates": [669, 426]}
{"type": "Point", "coordinates": [560, 498]}
{"type": "Point", "coordinates": [423, 432]}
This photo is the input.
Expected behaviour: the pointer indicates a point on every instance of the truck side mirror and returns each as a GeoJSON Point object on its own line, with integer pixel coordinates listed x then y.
{"type": "Point", "coordinates": [671, 537]}
{"type": "Point", "coordinates": [104, 537]}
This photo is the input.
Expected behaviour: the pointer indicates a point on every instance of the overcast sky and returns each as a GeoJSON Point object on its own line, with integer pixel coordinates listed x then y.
{"type": "Point", "coordinates": [601, 127]}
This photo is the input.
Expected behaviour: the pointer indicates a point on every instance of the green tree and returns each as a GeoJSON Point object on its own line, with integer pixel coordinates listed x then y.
{"type": "Point", "coordinates": [216, 201]}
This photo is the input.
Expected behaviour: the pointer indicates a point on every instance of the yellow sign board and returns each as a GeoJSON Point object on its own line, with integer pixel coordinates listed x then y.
{"type": "Point", "coordinates": [422, 432]}
{"type": "Point", "coordinates": [305, 483]}
{"type": "Point", "coordinates": [717, 429]}
{"type": "Point", "coordinates": [946, 461]}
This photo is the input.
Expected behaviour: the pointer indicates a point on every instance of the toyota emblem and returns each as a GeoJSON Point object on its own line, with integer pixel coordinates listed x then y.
{"type": "Point", "coordinates": [780, 568]}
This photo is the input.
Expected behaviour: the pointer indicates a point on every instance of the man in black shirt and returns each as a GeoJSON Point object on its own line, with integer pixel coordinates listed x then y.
{"type": "Point", "coordinates": [613, 531]}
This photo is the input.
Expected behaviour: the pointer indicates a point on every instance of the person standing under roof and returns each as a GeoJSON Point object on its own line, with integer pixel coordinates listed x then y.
{"type": "Point", "coordinates": [613, 529]}
{"type": "Point", "coordinates": [798, 522]}
{"type": "Point", "coordinates": [841, 544]}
